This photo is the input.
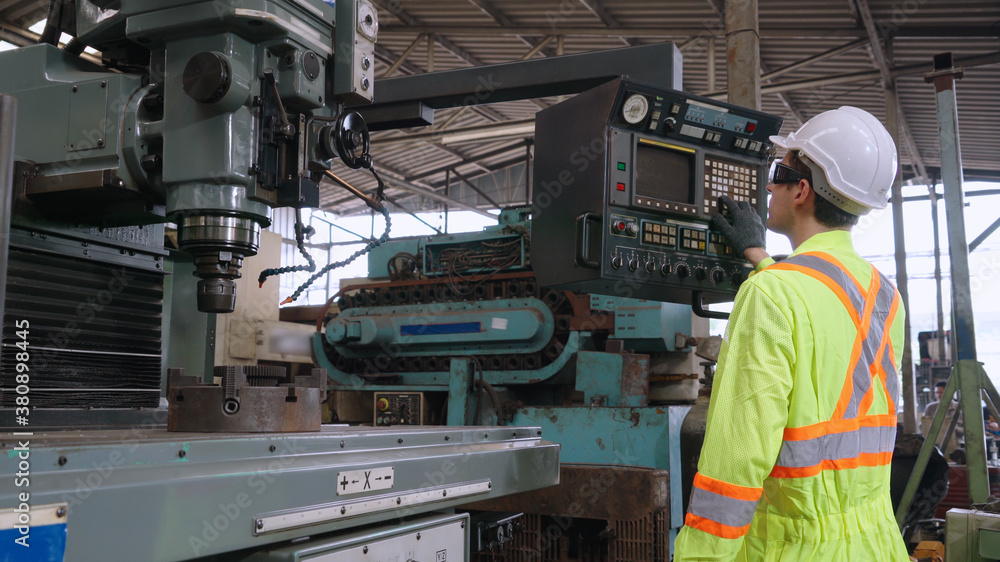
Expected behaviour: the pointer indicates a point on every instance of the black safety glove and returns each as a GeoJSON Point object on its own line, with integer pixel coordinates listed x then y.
{"type": "Point", "coordinates": [743, 229]}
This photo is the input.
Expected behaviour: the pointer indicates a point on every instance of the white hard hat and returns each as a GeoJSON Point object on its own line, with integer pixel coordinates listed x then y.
{"type": "Point", "coordinates": [855, 153]}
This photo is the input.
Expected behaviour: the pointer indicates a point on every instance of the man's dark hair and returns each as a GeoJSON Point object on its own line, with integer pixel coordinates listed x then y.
{"type": "Point", "coordinates": [826, 213]}
{"type": "Point", "coordinates": [941, 384]}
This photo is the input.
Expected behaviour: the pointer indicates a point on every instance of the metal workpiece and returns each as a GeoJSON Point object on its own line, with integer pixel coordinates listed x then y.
{"type": "Point", "coordinates": [178, 496]}
{"type": "Point", "coordinates": [250, 399]}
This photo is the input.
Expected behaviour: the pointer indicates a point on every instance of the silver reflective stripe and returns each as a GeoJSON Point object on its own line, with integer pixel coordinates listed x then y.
{"type": "Point", "coordinates": [869, 348]}
{"type": "Point", "coordinates": [721, 509]}
{"type": "Point", "coordinates": [834, 273]}
{"type": "Point", "coordinates": [891, 377]}
{"type": "Point", "coordinates": [860, 372]}
{"type": "Point", "coordinates": [835, 446]}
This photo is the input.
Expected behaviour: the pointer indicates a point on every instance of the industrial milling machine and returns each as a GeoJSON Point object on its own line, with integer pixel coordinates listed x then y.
{"type": "Point", "coordinates": [205, 114]}
{"type": "Point", "coordinates": [573, 314]}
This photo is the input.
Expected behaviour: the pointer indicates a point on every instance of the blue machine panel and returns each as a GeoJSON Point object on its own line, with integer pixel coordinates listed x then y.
{"type": "Point", "coordinates": [439, 329]}
{"type": "Point", "coordinates": [46, 543]}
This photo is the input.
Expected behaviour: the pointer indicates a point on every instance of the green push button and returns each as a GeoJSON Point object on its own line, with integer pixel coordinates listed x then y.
{"type": "Point", "coordinates": [621, 166]}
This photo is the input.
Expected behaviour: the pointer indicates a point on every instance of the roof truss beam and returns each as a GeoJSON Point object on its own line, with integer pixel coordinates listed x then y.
{"type": "Point", "coordinates": [962, 31]}
{"type": "Point", "coordinates": [882, 64]}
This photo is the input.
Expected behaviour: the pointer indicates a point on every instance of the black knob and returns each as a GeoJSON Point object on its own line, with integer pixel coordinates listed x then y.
{"type": "Point", "coordinates": [633, 264]}
{"type": "Point", "coordinates": [668, 124]}
{"type": "Point", "coordinates": [651, 266]}
{"type": "Point", "coordinates": [701, 273]}
{"type": "Point", "coordinates": [665, 269]}
{"type": "Point", "coordinates": [616, 262]}
{"type": "Point", "coordinates": [738, 278]}
{"type": "Point", "coordinates": [207, 77]}
{"type": "Point", "coordinates": [683, 270]}
{"type": "Point", "coordinates": [718, 276]}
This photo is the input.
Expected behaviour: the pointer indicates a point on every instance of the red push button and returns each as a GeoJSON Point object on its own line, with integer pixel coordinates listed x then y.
{"type": "Point", "coordinates": [751, 127]}
{"type": "Point", "coordinates": [621, 186]}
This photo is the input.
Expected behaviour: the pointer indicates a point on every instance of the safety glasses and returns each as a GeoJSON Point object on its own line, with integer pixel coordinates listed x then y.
{"type": "Point", "coordinates": [781, 173]}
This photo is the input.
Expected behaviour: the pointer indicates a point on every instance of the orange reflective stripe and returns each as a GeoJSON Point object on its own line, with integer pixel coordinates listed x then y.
{"type": "Point", "coordinates": [876, 369]}
{"type": "Point", "coordinates": [892, 359]}
{"type": "Point", "coordinates": [830, 283]}
{"type": "Point", "coordinates": [848, 390]}
{"type": "Point", "coordinates": [715, 528]}
{"type": "Point", "coordinates": [864, 459]}
{"type": "Point", "coordinates": [836, 262]}
{"type": "Point", "coordinates": [726, 489]}
{"type": "Point", "coordinates": [838, 426]}
{"type": "Point", "coordinates": [889, 322]}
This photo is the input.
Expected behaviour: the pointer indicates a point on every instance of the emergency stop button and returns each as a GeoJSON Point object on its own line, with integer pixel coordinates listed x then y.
{"type": "Point", "coordinates": [625, 227]}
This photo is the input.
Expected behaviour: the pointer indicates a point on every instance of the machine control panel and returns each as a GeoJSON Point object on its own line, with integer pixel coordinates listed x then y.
{"type": "Point", "coordinates": [643, 209]}
{"type": "Point", "coordinates": [399, 408]}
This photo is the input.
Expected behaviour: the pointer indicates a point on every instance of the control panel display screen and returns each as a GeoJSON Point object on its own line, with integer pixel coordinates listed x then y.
{"type": "Point", "coordinates": [718, 117]}
{"type": "Point", "coordinates": [664, 174]}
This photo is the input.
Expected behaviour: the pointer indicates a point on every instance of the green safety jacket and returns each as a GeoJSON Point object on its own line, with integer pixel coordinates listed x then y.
{"type": "Point", "coordinates": [802, 420]}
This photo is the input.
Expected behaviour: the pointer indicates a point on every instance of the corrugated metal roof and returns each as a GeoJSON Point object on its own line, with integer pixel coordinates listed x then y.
{"type": "Point", "coordinates": [790, 31]}
{"type": "Point", "coordinates": [474, 32]}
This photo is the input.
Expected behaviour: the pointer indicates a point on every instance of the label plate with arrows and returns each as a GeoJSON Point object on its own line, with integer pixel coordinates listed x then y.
{"type": "Point", "coordinates": [359, 481]}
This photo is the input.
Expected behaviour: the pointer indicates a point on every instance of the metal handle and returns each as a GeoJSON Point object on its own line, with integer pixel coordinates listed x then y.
{"type": "Point", "coordinates": [583, 240]}
{"type": "Point", "coordinates": [698, 307]}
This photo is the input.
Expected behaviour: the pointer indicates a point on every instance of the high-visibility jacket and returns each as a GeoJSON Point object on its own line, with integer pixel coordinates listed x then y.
{"type": "Point", "coordinates": [802, 420]}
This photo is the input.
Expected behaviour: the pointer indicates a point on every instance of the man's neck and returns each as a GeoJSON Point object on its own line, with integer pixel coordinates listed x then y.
{"type": "Point", "coordinates": [807, 230]}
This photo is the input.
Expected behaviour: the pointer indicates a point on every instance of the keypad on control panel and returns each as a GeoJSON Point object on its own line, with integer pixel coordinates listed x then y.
{"type": "Point", "coordinates": [732, 179]}
{"type": "Point", "coordinates": [692, 239]}
{"type": "Point", "coordinates": [717, 245]}
{"type": "Point", "coordinates": [659, 234]}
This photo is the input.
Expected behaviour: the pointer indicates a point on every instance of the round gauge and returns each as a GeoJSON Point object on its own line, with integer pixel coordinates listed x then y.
{"type": "Point", "coordinates": [636, 108]}
{"type": "Point", "coordinates": [367, 20]}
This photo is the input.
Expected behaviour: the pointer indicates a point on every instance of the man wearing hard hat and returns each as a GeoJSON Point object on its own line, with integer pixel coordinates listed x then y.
{"type": "Point", "coordinates": [802, 420]}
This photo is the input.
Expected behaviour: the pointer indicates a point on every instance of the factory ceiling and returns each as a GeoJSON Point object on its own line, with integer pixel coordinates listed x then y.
{"type": "Point", "coordinates": [814, 55]}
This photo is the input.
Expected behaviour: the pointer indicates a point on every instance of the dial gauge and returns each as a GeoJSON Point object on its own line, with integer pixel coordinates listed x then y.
{"type": "Point", "coordinates": [635, 109]}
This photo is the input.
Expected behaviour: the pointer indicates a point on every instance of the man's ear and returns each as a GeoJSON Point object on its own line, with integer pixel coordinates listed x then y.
{"type": "Point", "coordinates": [803, 193]}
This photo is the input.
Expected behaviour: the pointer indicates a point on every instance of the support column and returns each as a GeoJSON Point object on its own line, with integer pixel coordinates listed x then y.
{"type": "Point", "coordinates": [937, 271]}
{"type": "Point", "coordinates": [968, 370]}
{"type": "Point", "coordinates": [430, 52]}
{"type": "Point", "coordinates": [743, 53]}
{"type": "Point", "coordinates": [8, 125]}
{"type": "Point", "coordinates": [909, 393]}
{"type": "Point", "coordinates": [711, 63]}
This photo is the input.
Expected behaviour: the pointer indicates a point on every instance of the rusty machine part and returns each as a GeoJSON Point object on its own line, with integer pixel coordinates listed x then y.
{"type": "Point", "coordinates": [249, 399]}
{"type": "Point", "coordinates": [612, 513]}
